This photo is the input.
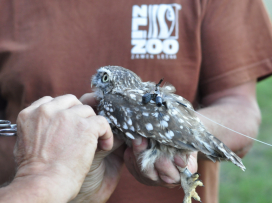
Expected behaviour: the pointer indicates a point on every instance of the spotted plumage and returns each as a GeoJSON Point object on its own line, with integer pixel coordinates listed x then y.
{"type": "Point", "coordinates": [171, 128]}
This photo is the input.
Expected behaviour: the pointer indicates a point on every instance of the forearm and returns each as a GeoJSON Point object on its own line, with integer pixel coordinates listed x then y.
{"type": "Point", "coordinates": [240, 114]}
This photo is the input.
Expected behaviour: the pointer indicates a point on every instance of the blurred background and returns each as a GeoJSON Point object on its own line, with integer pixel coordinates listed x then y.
{"type": "Point", "coordinates": [255, 184]}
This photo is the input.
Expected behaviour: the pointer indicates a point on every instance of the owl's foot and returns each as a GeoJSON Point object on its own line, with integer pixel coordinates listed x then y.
{"type": "Point", "coordinates": [189, 182]}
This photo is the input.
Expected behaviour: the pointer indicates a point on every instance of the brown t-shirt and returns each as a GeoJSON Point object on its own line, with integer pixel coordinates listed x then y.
{"type": "Point", "coordinates": [200, 46]}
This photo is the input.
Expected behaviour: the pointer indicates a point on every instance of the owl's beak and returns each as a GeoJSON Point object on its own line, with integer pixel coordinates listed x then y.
{"type": "Point", "coordinates": [93, 83]}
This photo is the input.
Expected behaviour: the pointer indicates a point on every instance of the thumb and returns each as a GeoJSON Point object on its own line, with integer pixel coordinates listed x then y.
{"type": "Point", "coordinates": [89, 99]}
{"type": "Point", "coordinates": [101, 154]}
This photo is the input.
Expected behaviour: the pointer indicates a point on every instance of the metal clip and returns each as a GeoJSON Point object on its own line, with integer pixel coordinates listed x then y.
{"type": "Point", "coordinates": [7, 129]}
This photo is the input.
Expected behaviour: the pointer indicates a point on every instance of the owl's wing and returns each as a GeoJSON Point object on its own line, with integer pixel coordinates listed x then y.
{"type": "Point", "coordinates": [197, 135]}
{"type": "Point", "coordinates": [175, 125]}
{"type": "Point", "coordinates": [166, 126]}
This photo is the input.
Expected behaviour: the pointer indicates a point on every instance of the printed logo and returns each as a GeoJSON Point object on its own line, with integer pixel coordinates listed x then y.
{"type": "Point", "coordinates": [154, 31]}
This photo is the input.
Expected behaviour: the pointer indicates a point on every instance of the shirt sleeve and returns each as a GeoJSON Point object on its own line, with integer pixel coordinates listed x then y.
{"type": "Point", "coordinates": [236, 40]}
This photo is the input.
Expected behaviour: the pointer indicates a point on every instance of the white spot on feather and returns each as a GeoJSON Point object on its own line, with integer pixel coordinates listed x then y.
{"type": "Point", "coordinates": [102, 113]}
{"type": "Point", "coordinates": [164, 124]}
{"type": "Point", "coordinates": [169, 134]}
{"type": "Point", "coordinates": [180, 98]}
{"type": "Point", "coordinates": [155, 114]}
{"type": "Point", "coordinates": [181, 127]}
{"type": "Point", "coordinates": [130, 135]}
{"type": "Point", "coordinates": [114, 120]}
{"type": "Point", "coordinates": [140, 91]}
{"type": "Point", "coordinates": [149, 126]}
{"type": "Point", "coordinates": [145, 114]}
{"type": "Point", "coordinates": [174, 112]}
{"type": "Point", "coordinates": [180, 120]}
{"type": "Point", "coordinates": [142, 134]}
{"type": "Point", "coordinates": [125, 126]}
{"type": "Point", "coordinates": [166, 117]}
{"type": "Point", "coordinates": [133, 96]}
{"type": "Point", "coordinates": [109, 121]}
{"type": "Point", "coordinates": [129, 121]}
{"type": "Point", "coordinates": [132, 128]}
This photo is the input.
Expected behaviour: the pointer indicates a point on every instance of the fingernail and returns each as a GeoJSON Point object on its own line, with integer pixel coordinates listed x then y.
{"type": "Point", "coordinates": [138, 141]}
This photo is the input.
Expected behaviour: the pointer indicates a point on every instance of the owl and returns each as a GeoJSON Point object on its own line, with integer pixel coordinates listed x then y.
{"type": "Point", "coordinates": [135, 108]}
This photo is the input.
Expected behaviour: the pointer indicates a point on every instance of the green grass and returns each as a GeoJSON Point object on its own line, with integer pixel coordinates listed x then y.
{"type": "Point", "coordinates": [254, 185]}
{"type": "Point", "coordinates": [268, 4]}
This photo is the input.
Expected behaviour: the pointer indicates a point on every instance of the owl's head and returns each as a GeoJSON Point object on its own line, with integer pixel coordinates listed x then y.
{"type": "Point", "coordinates": [117, 78]}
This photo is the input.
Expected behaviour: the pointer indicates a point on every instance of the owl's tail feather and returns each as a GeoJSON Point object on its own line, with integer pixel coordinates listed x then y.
{"type": "Point", "coordinates": [222, 152]}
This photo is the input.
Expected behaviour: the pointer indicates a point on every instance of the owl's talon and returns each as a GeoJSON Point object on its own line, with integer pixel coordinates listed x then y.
{"type": "Point", "coordinates": [189, 182]}
{"type": "Point", "coordinates": [195, 176]}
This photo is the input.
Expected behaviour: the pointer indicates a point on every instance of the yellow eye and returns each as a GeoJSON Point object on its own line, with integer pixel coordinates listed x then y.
{"type": "Point", "coordinates": [105, 78]}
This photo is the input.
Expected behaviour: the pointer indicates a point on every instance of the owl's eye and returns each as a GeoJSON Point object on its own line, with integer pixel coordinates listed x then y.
{"type": "Point", "coordinates": [105, 78]}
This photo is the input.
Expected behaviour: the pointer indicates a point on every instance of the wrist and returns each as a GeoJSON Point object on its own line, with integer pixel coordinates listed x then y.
{"type": "Point", "coordinates": [28, 189]}
{"type": "Point", "coordinates": [45, 183]}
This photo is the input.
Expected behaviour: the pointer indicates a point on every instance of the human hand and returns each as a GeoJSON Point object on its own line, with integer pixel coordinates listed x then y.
{"type": "Point", "coordinates": [164, 173]}
{"type": "Point", "coordinates": [105, 171]}
{"type": "Point", "coordinates": [56, 142]}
